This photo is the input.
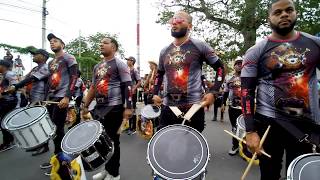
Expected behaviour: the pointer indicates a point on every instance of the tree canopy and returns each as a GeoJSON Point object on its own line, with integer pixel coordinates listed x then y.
{"type": "Point", "coordinates": [89, 51]}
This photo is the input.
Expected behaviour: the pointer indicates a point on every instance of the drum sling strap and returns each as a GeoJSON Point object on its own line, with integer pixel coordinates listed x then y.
{"type": "Point", "coordinates": [312, 138]}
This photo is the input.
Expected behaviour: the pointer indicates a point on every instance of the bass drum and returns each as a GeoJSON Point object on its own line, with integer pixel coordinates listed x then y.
{"type": "Point", "coordinates": [305, 167]}
{"type": "Point", "coordinates": [178, 152]}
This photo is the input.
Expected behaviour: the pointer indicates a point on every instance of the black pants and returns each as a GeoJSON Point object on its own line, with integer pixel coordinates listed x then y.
{"type": "Point", "coordinates": [167, 117]}
{"type": "Point", "coordinates": [112, 122]}
{"type": "Point", "coordinates": [133, 119]}
{"type": "Point", "coordinates": [145, 98]}
{"type": "Point", "coordinates": [6, 107]}
{"type": "Point", "coordinates": [277, 141]}
{"type": "Point", "coordinates": [217, 103]}
{"type": "Point", "coordinates": [58, 117]}
{"type": "Point", "coordinates": [234, 113]}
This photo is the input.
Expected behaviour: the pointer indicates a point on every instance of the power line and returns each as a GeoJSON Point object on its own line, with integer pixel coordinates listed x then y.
{"type": "Point", "coordinates": [29, 3]}
{"type": "Point", "coordinates": [17, 22]}
{"type": "Point", "coordinates": [28, 9]}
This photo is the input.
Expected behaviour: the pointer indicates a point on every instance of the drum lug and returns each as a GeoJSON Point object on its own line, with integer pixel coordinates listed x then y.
{"type": "Point", "coordinates": [41, 126]}
{"type": "Point", "coordinates": [53, 133]}
{"type": "Point", "coordinates": [35, 137]}
{"type": "Point", "coordinates": [25, 140]}
{"type": "Point", "coordinates": [17, 140]}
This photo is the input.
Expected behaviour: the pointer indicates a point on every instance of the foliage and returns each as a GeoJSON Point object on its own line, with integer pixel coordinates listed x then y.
{"type": "Point", "coordinates": [89, 51]}
{"type": "Point", "coordinates": [234, 25]}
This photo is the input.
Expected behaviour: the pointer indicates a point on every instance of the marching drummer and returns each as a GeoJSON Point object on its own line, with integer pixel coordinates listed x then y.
{"type": "Point", "coordinates": [181, 64]}
{"type": "Point", "coordinates": [136, 83]}
{"type": "Point", "coordinates": [282, 68]}
{"type": "Point", "coordinates": [8, 101]}
{"type": "Point", "coordinates": [37, 79]}
{"type": "Point", "coordinates": [232, 91]}
{"type": "Point", "coordinates": [111, 86]}
{"type": "Point", "coordinates": [61, 85]}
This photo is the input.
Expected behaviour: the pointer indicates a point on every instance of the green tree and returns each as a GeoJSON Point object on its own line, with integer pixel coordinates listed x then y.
{"type": "Point", "coordinates": [89, 51]}
{"type": "Point", "coordinates": [234, 25]}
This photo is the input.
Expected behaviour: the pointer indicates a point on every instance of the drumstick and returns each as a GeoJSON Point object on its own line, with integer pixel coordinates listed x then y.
{"type": "Point", "coordinates": [50, 102]}
{"type": "Point", "coordinates": [244, 141]}
{"type": "Point", "coordinates": [255, 154]}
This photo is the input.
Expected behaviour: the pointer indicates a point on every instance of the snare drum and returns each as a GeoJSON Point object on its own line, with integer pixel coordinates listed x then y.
{"type": "Point", "coordinates": [89, 140]}
{"type": "Point", "coordinates": [146, 124]}
{"type": "Point", "coordinates": [30, 126]}
{"type": "Point", "coordinates": [178, 152]}
{"type": "Point", "coordinates": [306, 166]}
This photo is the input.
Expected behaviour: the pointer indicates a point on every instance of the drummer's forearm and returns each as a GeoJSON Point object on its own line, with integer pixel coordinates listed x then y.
{"type": "Point", "coordinates": [248, 86]}
{"type": "Point", "coordinates": [89, 97]}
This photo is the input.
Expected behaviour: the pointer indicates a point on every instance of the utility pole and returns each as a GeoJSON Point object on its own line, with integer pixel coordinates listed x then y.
{"type": "Point", "coordinates": [79, 53]}
{"type": "Point", "coordinates": [138, 35]}
{"type": "Point", "coordinates": [44, 14]}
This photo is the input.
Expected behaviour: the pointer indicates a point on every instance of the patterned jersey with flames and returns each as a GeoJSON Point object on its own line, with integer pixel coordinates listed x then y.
{"type": "Point", "coordinates": [181, 71]}
{"type": "Point", "coordinates": [102, 76]}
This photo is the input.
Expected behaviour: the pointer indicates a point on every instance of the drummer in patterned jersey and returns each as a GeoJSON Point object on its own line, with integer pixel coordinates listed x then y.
{"type": "Point", "coordinates": [8, 101]}
{"type": "Point", "coordinates": [136, 83]}
{"type": "Point", "coordinates": [37, 78]}
{"type": "Point", "coordinates": [111, 86]}
{"type": "Point", "coordinates": [282, 70]}
{"type": "Point", "coordinates": [232, 91]}
{"type": "Point", "coordinates": [61, 84]}
{"type": "Point", "coordinates": [181, 64]}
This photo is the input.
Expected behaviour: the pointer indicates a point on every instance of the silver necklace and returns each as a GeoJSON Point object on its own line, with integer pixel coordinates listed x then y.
{"type": "Point", "coordinates": [177, 48]}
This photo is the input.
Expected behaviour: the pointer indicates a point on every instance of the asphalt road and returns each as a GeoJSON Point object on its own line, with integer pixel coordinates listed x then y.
{"type": "Point", "coordinates": [16, 164]}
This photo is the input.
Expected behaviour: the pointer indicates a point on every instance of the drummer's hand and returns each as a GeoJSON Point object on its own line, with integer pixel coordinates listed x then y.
{"type": "Point", "coordinates": [222, 108]}
{"type": "Point", "coordinates": [207, 100]}
{"type": "Point", "coordinates": [11, 89]}
{"type": "Point", "coordinates": [157, 100]}
{"type": "Point", "coordinates": [127, 113]}
{"type": "Point", "coordinates": [253, 142]}
{"type": "Point", "coordinates": [64, 103]}
{"type": "Point", "coordinates": [85, 113]}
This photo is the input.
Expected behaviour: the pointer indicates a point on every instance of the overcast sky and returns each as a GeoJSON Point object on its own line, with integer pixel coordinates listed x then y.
{"type": "Point", "coordinates": [67, 17]}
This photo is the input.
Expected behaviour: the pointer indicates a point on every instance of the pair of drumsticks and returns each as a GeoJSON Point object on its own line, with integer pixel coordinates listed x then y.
{"type": "Point", "coordinates": [255, 154]}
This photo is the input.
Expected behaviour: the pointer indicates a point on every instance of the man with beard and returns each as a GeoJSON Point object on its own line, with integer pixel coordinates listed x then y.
{"type": "Point", "coordinates": [283, 69]}
{"type": "Point", "coordinates": [181, 64]}
{"type": "Point", "coordinates": [136, 82]}
{"type": "Point", "coordinates": [61, 85]}
{"type": "Point", "coordinates": [37, 78]}
{"type": "Point", "coordinates": [232, 91]}
{"type": "Point", "coordinates": [111, 86]}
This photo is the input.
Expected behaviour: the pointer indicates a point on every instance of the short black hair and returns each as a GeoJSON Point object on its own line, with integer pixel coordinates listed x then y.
{"type": "Point", "coordinates": [114, 41]}
{"type": "Point", "coordinates": [271, 2]}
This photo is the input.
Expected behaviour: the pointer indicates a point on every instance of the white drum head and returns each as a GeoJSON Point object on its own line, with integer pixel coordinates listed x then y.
{"type": "Point", "coordinates": [23, 117]}
{"type": "Point", "coordinates": [81, 137]}
{"type": "Point", "coordinates": [150, 112]}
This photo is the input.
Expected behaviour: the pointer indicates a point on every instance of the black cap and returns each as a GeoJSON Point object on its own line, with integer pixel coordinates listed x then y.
{"type": "Point", "coordinates": [131, 58]}
{"type": "Point", "coordinates": [50, 36]}
{"type": "Point", "coordinates": [5, 63]}
{"type": "Point", "coordinates": [40, 51]}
